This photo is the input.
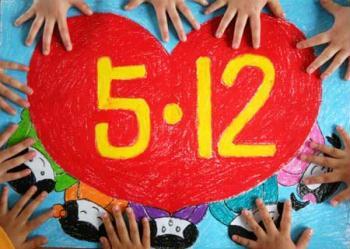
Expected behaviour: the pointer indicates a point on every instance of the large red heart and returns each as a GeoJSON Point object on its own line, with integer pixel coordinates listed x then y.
{"type": "Point", "coordinates": [170, 174]}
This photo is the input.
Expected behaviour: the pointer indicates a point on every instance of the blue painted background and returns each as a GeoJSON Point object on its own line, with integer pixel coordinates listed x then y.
{"type": "Point", "coordinates": [331, 225]}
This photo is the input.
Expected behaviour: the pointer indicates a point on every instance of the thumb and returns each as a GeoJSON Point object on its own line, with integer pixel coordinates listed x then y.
{"type": "Point", "coordinates": [132, 4]}
{"type": "Point", "coordinates": [83, 7]}
{"type": "Point", "coordinates": [35, 242]}
{"type": "Point", "coordinates": [276, 8]}
{"type": "Point", "coordinates": [202, 2]}
{"type": "Point", "coordinates": [304, 239]}
{"type": "Point", "coordinates": [330, 6]}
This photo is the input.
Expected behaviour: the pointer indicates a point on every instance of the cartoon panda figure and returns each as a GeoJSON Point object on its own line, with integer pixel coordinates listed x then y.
{"type": "Point", "coordinates": [229, 211]}
{"type": "Point", "coordinates": [42, 175]}
{"type": "Point", "coordinates": [176, 230]}
{"type": "Point", "coordinates": [81, 214]}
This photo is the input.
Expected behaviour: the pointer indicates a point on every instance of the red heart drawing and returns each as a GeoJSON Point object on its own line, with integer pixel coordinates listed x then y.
{"type": "Point", "coordinates": [169, 172]}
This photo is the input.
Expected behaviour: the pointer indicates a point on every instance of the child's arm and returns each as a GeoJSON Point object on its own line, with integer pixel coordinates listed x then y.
{"type": "Point", "coordinates": [337, 38]}
{"type": "Point", "coordinates": [272, 237]}
{"type": "Point", "coordinates": [244, 10]}
{"type": "Point", "coordinates": [338, 160]}
{"type": "Point", "coordinates": [6, 82]}
{"type": "Point", "coordinates": [15, 222]}
{"type": "Point", "coordinates": [7, 159]}
{"type": "Point", "coordinates": [171, 8]}
{"type": "Point", "coordinates": [121, 238]}
{"type": "Point", "coordinates": [47, 14]}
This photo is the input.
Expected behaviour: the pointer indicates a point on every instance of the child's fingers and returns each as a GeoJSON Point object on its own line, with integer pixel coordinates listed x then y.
{"type": "Point", "coordinates": [35, 242]}
{"type": "Point", "coordinates": [31, 207]}
{"type": "Point", "coordinates": [325, 178]}
{"type": "Point", "coordinates": [34, 29]}
{"type": "Point", "coordinates": [344, 136]}
{"type": "Point", "coordinates": [320, 160]}
{"type": "Point", "coordinates": [239, 29]}
{"type": "Point", "coordinates": [111, 233]}
{"type": "Point", "coordinates": [121, 226]}
{"type": "Point", "coordinates": [38, 221]}
{"type": "Point", "coordinates": [25, 17]}
{"type": "Point", "coordinates": [134, 230]}
{"type": "Point", "coordinates": [14, 150]}
{"type": "Point", "coordinates": [316, 40]}
{"type": "Point", "coordinates": [202, 2]}
{"type": "Point", "coordinates": [4, 200]}
{"type": "Point", "coordinates": [330, 5]}
{"type": "Point", "coordinates": [325, 56]}
{"type": "Point", "coordinates": [258, 231]}
{"type": "Point", "coordinates": [4, 137]}
{"type": "Point", "coordinates": [47, 35]}
{"type": "Point", "coordinates": [104, 242]}
{"type": "Point", "coordinates": [176, 20]}
{"type": "Point", "coordinates": [132, 4]}
{"type": "Point", "coordinates": [336, 63]}
{"type": "Point", "coordinates": [218, 4]}
{"type": "Point", "coordinates": [251, 244]}
{"type": "Point", "coordinates": [327, 150]}
{"type": "Point", "coordinates": [286, 220]}
{"type": "Point", "coordinates": [276, 8]}
{"type": "Point", "coordinates": [266, 218]}
{"type": "Point", "coordinates": [342, 196]}
{"type": "Point", "coordinates": [15, 84]}
{"type": "Point", "coordinates": [14, 162]}
{"type": "Point", "coordinates": [13, 66]}
{"type": "Point", "coordinates": [23, 201]}
{"type": "Point", "coordinates": [14, 97]}
{"type": "Point", "coordinates": [6, 107]}
{"type": "Point", "coordinates": [189, 16]}
{"type": "Point", "coordinates": [83, 7]}
{"type": "Point", "coordinates": [304, 239]}
{"type": "Point", "coordinates": [225, 21]}
{"type": "Point", "coordinates": [146, 236]}
{"type": "Point", "coordinates": [15, 176]}
{"type": "Point", "coordinates": [64, 32]}
{"type": "Point", "coordinates": [347, 74]}
{"type": "Point", "coordinates": [162, 23]}
{"type": "Point", "coordinates": [255, 27]}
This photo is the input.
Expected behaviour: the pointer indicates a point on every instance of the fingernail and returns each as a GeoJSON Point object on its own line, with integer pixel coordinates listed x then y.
{"type": "Point", "coordinates": [334, 203]}
{"type": "Point", "coordinates": [116, 208]}
{"type": "Point", "coordinates": [310, 70]}
{"type": "Point", "coordinates": [90, 12]}
{"type": "Point", "coordinates": [30, 91]}
{"type": "Point", "coordinates": [218, 34]}
{"type": "Point", "coordinates": [26, 104]}
{"type": "Point", "coordinates": [234, 237]}
{"type": "Point", "coordinates": [34, 188]}
{"type": "Point", "coordinates": [129, 210]}
{"type": "Point", "coordinates": [299, 45]}
{"type": "Point", "coordinates": [324, 76]}
{"type": "Point", "coordinates": [311, 232]}
{"type": "Point", "coordinates": [313, 145]}
{"type": "Point", "coordinates": [197, 26]}
{"type": "Point", "coordinates": [69, 47]}
{"type": "Point", "coordinates": [27, 172]}
{"type": "Point", "coordinates": [27, 43]}
{"type": "Point", "coordinates": [303, 157]}
{"type": "Point", "coordinates": [306, 181]}
{"type": "Point", "coordinates": [259, 201]}
{"type": "Point", "coordinates": [44, 194]}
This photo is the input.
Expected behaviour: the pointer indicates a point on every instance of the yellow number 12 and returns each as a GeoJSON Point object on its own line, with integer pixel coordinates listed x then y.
{"type": "Point", "coordinates": [226, 145]}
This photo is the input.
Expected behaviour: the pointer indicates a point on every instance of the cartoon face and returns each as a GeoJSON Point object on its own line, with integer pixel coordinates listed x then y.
{"type": "Point", "coordinates": [42, 174]}
{"type": "Point", "coordinates": [315, 170]}
{"type": "Point", "coordinates": [90, 212]}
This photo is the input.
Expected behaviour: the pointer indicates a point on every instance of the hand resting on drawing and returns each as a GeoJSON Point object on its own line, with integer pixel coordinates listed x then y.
{"type": "Point", "coordinates": [337, 38]}
{"type": "Point", "coordinates": [7, 82]}
{"type": "Point", "coordinates": [47, 14]}
{"type": "Point", "coordinates": [171, 8]}
{"type": "Point", "coordinates": [7, 159]}
{"type": "Point", "coordinates": [271, 236]}
{"type": "Point", "coordinates": [120, 237]}
{"type": "Point", "coordinates": [16, 221]}
{"type": "Point", "coordinates": [336, 159]}
{"type": "Point", "coordinates": [244, 10]}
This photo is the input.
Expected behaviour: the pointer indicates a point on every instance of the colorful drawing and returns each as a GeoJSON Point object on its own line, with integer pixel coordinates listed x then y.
{"type": "Point", "coordinates": [81, 214]}
{"type": "Point", "coordinates": [177, 230]}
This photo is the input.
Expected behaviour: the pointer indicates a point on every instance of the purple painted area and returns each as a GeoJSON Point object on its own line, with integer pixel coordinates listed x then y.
{"type": "Point", "coordinates": [193, 214]}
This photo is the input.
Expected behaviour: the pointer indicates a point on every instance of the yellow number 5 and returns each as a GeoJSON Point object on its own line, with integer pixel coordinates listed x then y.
{"type": "Point", "coordinates": [226, 146]}
{"type": "Point", "coordinates": [105, 74]}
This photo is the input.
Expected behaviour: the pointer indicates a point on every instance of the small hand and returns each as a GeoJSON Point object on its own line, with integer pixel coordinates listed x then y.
{"type": "Point", "coordinates": [6, 82]}
{"type": "Point", "coordinates": [337, 38]}
{"type": "Point", "coordinates": [338, 160]}
{"type": "Point", "coordinates": [47, 14]}
{"type": "Point", "coordinates": [171, 8]}
{"type": "Point", "coordinates": [120, 238]}
{"type": "Point", "coordinates": [16, 223]}
{"type": "Point", "coordinates": [273, 237]}
{"type": "Point", "coordinates": [244, 10]}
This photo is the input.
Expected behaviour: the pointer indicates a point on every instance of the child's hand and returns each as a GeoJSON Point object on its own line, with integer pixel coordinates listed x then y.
{"type": "Point", "coordinates": [121, 238]}
{"type": "Point", "coordinates": [171, 8]}
{"type": "Point", "coordinates": [244, 10]}
{"type": "Point", "coordinates": [338, 161]}
{"type": "Point", "coordinates": [16, 223]}
{"type": "Point", "coordinates": [338, 39]}
{"type": "Point", "coordinates": [272, 237]}
{"type": "Point", "coordinates": [47, 14]}
{"type": "Point", "coordinates": [6, 82]}
{"type": "Point", "coordinates": [7, 162]}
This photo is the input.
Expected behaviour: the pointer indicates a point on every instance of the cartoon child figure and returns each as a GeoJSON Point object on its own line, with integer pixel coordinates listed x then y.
{"type": "Point", "coordinates": [81, 214]}
{"type": "Point", "coordinates": [228, 212]}
{"type": "Point", "coordinates": [177, 230]}
{"type": "Point", "coordinates": [46, 175]}
{"type": "Point", "coordinates": [296, 170]}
